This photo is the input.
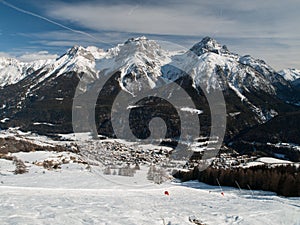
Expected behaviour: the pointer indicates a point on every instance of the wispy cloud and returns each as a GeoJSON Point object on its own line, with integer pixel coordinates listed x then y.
{"type": "Point", "coordinates": [227, 18]}
{"type": "Point", "coordinates": [266, 29]}
{"type": "Point", "coordinates": [37, 56]}
{"type": "Point", "coordinates": [105, 39]}
{"type": "Point", "coordinates": [150, 19]}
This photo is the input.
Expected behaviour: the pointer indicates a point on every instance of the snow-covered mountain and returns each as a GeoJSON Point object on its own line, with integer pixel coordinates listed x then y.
{"type": "Point", "coordinates": [291, 75]}
{"type": "Point", "coordinates": [140, 58]}
{"type": "Point", "coordinates": [239, 73]}
{"type": "Point", "coordinates": [77, 59]}
{"type": "Point", "coordinates": [41, 92]}
{"type": "Point", "coordinates": [12, 70]}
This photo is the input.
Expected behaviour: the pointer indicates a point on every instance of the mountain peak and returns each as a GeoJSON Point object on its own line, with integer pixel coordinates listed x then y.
{"type": "Point", "coordinates": [75, 49]}
{"type": "Point", "coordinates": [209, 40]}
{"type": "Point", "coordinates": [136, 47]}
{"type": "Point", "coordinates": [138, 39]}
{"type": "Point", "coordinates": [132, 46]}
{"type": "Point", "coordinates": [78, 50]}
{"type": "Point", "coordinates": [209, 44]}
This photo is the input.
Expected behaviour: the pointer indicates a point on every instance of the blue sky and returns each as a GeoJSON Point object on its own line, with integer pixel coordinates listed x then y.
{"type": "Point", "coordinates": [266, 29]}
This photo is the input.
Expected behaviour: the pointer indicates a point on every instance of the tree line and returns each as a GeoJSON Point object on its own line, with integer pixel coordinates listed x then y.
{"type": "Point", "coordinates": [283, 180]}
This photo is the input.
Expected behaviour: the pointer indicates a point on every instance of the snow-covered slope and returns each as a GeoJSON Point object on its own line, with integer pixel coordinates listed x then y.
{"type": "Point", "coordinates": [290, 74]}
{"type": "Point", "coordinates": [217, 67]}
{"type": "Point", "coordinates": [143, 61]}
{"type": "Point", "coordinates": [12, 70]}
{"type": "Point", "coordinates": [75, 195]}
{"type": "Point", "coordinates": [77, 59]}
{"type": "Point", "coordinates": [213, 66]}
{"type": "Point", "coordinates": [60, 187]}
{"type": "Point", "coordinates": [139, 60]}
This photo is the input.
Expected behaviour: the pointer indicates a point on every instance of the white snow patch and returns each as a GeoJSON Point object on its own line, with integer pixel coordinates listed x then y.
{"type": "Point", "coordinates": [191, 110]}
{"type": "Point", "coordinates": [4, 120]}
{"type": "Point", "coordinates": [269, 160]}
{"type": "Point", "coordinates": [241, 96]}
{"type": "Point", "coordinates": [251, 164]}
{"type": "Point", "coordinates": [85, 136]}
{"type": "Point", "coordinates": [6, 167]}
{"type": "Point", "coordinates": [132, 107]}
{"type": "Point", "coordinates": [43, 123]}
{"type": "Point", "coordinates": [233, 114]}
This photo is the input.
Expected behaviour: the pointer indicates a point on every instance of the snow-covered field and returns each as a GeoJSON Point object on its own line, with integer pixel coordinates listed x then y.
{"type": "Point", "coordinates": [113, 205]}
{"type": "Point", "coordinates": [76, 194]}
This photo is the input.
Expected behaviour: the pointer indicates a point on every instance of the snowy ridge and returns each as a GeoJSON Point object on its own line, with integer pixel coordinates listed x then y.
{"type": "Point", "coordinates": [217, 68]}
{"type": "Point", "coordinates": [208, 44]}
{"type": "Point", "coordinates": [139, 60]}
{"type": "Point", "coordinates": [77, 59]}
{"type": "Point", "coordinates": [12, 70]}
{"type": "Point", "coordinates": [213, 66]}
{"type": "Point", "coordinates": [142, 62]}
{"type": "Point", "coordinates": [290, 74]}
{"type": "Point", "coordinates": [242, 72]}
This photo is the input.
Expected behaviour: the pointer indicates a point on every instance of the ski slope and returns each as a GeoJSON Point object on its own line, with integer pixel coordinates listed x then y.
{"type": "Point", "coordinates": [77, 195]}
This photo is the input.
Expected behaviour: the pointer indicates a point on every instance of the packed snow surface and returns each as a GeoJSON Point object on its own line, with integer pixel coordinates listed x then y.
{"type": "Point", "coordinates": [75, 194]}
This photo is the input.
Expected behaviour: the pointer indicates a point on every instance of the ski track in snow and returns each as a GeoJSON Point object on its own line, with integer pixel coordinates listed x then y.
{"type": "Point", "coordinates": [117, 204]}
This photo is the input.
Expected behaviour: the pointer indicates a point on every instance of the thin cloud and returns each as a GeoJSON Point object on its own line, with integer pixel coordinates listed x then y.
{"type": "Point", "coordinates": [41, 55]}
{"type": "Point", "coordinates": [272, 25]}
{"type": "Point", "coordinates": [128, 18]}
{"type": "Point", "coordinates": [222, 18]}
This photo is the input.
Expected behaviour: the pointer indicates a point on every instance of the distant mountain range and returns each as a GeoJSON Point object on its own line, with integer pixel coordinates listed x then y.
{"type": "Point", "coordinates": [262, 104]}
